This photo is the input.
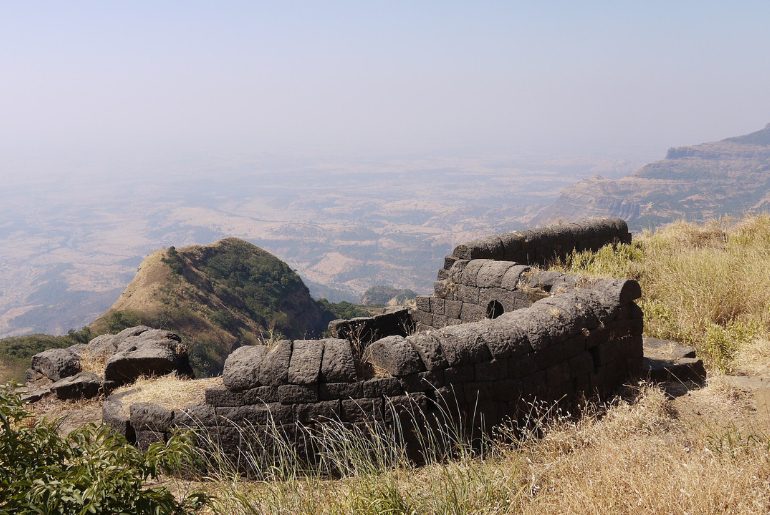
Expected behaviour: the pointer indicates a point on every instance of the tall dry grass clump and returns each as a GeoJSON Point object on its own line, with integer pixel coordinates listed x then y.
{"type": "Point", "coordinates": [706, 285]}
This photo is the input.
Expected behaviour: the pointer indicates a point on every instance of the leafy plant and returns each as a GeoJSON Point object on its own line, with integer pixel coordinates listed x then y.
{"type": "Point", "coordinates": [92, 470]}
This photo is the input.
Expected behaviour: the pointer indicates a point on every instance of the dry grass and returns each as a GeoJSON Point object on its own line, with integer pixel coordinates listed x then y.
{"type": "Point", "coordinates": [704, 452]}
{"type": "Point", "coordinates": [706, 285]}
{"type": "Point", "coordinates": [169, 391]}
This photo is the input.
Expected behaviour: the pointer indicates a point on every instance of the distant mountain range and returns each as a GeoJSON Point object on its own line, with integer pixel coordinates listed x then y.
{"type": "Point", "coordinates": [700, 182]}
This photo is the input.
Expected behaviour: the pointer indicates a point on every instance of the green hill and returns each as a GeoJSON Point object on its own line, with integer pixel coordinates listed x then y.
{"type": "Point", "coordinates": [217, 297]}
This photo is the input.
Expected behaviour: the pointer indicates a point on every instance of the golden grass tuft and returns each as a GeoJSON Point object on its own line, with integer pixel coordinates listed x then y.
{"type": "Point", "coordinates": [169, 391]}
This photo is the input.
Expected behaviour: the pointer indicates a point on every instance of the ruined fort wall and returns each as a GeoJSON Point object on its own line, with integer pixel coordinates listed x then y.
{"type": "Point", "coordinates": [580, 342]}
{"type": "Point", "coordinates": [543, 245]}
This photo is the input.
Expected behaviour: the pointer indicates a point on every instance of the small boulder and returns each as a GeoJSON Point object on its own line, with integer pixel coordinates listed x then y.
{"type": "Point", "coordinates": [56, 364]}
{"type": "Point", "coordinates": [153, 352]}
{"type": "Point", "coordinates": [84, 385]}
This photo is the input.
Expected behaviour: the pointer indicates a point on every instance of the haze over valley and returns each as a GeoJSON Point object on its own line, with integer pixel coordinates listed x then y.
{"type": "Point", "coordinates": [69, 247]}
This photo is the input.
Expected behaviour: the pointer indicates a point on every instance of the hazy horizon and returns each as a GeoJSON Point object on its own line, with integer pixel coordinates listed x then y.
{"type": "Point", "coordinates": [105, 89]}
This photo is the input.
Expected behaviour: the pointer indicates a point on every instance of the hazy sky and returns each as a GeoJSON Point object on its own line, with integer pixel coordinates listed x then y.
{"type": "Point", "coordinates": [117, 82]}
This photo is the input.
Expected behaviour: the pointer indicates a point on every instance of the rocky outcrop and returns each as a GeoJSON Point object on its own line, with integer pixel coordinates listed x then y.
{"type": "Point", "coordinates": [84, 385]}
{"type": "Point", "coordinates": [133, 352]}
{"type": "Point", "coordinates": [56, 364]}
{"type": "Point", "coordinates": [151, 352]}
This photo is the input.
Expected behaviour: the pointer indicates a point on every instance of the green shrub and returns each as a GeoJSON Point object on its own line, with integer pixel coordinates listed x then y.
{"type": "Point", "coordinates": [92, 470]}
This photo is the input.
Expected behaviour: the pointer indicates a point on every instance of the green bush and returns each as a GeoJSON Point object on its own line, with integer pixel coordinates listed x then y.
{"type": "Point", "coordinates": [92, 470]}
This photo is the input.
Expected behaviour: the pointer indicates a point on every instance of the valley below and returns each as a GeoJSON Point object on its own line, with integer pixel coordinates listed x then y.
{"type": "Point", "coordinates": [68, 248]}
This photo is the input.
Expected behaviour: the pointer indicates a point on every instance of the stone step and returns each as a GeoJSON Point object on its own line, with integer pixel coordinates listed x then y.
{"type": "Point", "coordinates": [665, 360]}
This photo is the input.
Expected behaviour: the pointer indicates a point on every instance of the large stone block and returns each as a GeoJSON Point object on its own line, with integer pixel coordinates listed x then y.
{"type": "Point", "coordinates": [153, 352]}
{"type": "Point", "coordinates": [274, 368]}
{"type": "Point", "coordinates": [429, 350]}
{"type": "Point", "coordinates": [381, 386]}
{"type": "Point", "coordinates": [462, 344]}
{"type": "Point", "coordinates": [317, 411]}
{"type": "Point", "coordinates": [472, 312]}
{"type": "Point", "coordinates": [84, 385]}
{"type": "Point", "coordinates": [452, 308]}
{"type": "Point", "coordinates": [147, 416]}
{"type": "Point", "coordinates": [339, 363]}
{"type": "Point", "coordinates": [331, 391]}
{"type": "Point", "coordinates": [305, 363]}
{"type": "Point", "coordinates": [291, 393]}
{"type": "Point", "coordinates": [362, 410]}
{"type": "Point", "coordinates": [395, 355]}
{"type": "Point", "coordinates": [242, 367]}
{"type": "Point", "coordinates": [491, 273]}
{"type": "Point", "coordinates": [504, 338]}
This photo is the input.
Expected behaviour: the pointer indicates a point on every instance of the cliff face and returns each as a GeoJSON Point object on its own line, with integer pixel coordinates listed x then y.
{"type": "Point", "coordinates": [728, 177]}
{"type": "Point", "coordinates": [218, 297]}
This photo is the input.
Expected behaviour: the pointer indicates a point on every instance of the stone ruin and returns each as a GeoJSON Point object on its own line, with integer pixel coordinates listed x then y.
{"type": "Point", "coordinates": [498, 333]}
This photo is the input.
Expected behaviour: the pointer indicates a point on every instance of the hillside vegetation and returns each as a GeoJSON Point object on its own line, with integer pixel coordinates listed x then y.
{"type": "Point", "coordinates": [17, 351]}
{"type": "Point", "coordinates": [217, 297]}
{"type": "Point", "coordinates": [706, 285]}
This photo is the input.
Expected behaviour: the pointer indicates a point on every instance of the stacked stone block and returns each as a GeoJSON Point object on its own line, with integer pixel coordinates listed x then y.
{"type": "Point", "coordinates": [543, 245]}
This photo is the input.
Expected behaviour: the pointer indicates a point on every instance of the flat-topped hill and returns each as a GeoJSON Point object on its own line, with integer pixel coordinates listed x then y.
{"type": "Point", "coordinates": [697, 183]}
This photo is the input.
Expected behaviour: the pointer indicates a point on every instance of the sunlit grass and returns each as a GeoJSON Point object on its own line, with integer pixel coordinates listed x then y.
{"type": "Point", "coordinates": [705, 285]}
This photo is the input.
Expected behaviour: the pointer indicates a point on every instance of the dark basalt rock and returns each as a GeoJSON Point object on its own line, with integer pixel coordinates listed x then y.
{"type": "Point", "coordinates": [153, 352]}
{"type": "Point", "coordinates": [84, 385]}
{"type": "Point", "coordinates": [56, 364]}
{"type": "Point", "coordinates": [395, 355]}
{"type": "Point", "coordinates": [241, 371]}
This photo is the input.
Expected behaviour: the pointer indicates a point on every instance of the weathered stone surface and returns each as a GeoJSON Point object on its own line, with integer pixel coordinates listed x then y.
{"type": "Point", "coordinates": [338, 364]}
{"type": "Point", "coordinates": [504, 339]}
{"type": "Point", "coordinates": [491, 273]}
{"type": "Point", "coordinates": [147, 416]}
{"type": "Point", "coordinates": [331, 391]}
{"type": "Point", "coordinates": [56, 364]}
{"type": "Point", "coordinates": [274, 369]}
{"type": "Point", "coordinates": [292, 393]}
{"type": "Point", "coordinates": [153, 352]}
{"type": "Point", "coordinates": [362, 410]}
{"type": "Point", "coordinates": [261, 395]}
{"type": "Point", "coordinates": [104, 346]}
{"type": "Point", "coordinates": [317, 411]}
{"type": "Point", "coordinates": [381, 386]}
{"type": "Point", "coordinates": [84, 385]}
{"type": "Point", "coordinates": [200, 415]}
{"type": "Point", "coordinates": [146, 438]}
{"type": "Point", "coordinates": [429, 350]}
{"type": "Point", "coordinates": [462, 344]}
{"type": "Point", "coordinates": [115, 416]}
{"type": "Point", "coordinates": [395, 355]}
{"type": "Point", "coordinates": [34, 394]}
{"type": "Point", "coordinates": [241, 370]}
{"type": "Point", "coordinates": [305, 364]}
